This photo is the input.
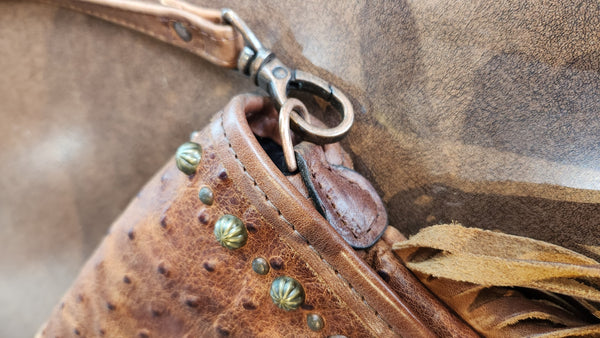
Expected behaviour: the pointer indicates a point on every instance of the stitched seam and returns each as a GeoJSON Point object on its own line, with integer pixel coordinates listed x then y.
{"type": "Point", "coordinates": [330, 200]}
{"type": "Point", "coordinates": [160, 37]}
{"type": "Point", "coordinates": [313, 174]}
{"type": "Point", "coordinates": [296, 231]}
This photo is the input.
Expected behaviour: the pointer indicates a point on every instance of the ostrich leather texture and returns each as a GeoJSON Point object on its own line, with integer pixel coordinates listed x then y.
{"type": "Point", "coordinates": [160, 272]}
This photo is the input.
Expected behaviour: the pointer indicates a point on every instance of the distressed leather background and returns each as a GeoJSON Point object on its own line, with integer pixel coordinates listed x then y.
{"type": "Point", "coordinates": [487, 114]}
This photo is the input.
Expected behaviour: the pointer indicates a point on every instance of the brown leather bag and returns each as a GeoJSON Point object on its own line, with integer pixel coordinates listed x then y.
{"type": "Point", "coordinates": [162, 272]}
{"type": "Point", "coordinates": [378, 300]}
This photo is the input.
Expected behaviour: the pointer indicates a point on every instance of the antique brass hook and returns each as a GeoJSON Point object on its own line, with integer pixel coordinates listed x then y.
{"type": "Point", "coordinates": [270, 74]}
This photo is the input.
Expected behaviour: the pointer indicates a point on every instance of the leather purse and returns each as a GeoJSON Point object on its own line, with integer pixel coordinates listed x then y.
{"type": "Point", "coordinates": [235, 248]}
{"type": "Point", "coordinates": [242, 235]}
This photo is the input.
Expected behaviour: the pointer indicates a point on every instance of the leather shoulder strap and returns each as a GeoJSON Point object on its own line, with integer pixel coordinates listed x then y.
{"type": "Point", "coordinates": [198, 30]}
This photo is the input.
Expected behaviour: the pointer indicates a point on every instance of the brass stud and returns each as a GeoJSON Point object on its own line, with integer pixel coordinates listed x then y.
{"type": "Point", "coordinates": [314, 321]}
{"type": "Point", "coordinates": [287, 293]}
{"type": "Point", "coordinates": [260, 266]}
{"type": "Point", "coordinates": [231, 232]}
{"type": "Point", "coordinates": [206, 195]}
{"type": "Point", "coordinates": [188, 157]}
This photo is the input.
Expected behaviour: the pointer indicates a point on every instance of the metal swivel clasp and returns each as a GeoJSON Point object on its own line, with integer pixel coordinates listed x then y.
{"type": "Point", "coordinates": [270, 74]}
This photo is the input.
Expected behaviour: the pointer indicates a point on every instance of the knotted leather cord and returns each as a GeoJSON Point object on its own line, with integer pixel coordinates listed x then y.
{"type": "Point", "coordinates": [505, 285]}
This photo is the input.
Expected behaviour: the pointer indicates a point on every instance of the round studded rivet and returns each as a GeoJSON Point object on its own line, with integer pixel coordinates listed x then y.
{"type": "Point", "coordinates": [287, 293]}
{"type": "Point", "coordinates": [206, 195]}
{"type": "Point", "coordinates": [188, 157]}
{"type": "Point", "coordinates": [260, 266]}
{"type": "Point", "coordinates": [314, 321]}
{"type": "Point", "coordinates": [182, 31]}
{"type": "Point", "coordinates": [231, 232]}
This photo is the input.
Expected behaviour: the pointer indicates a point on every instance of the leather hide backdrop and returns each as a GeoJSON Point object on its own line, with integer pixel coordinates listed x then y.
{"type": "Point", "coordinates": [486, 113]}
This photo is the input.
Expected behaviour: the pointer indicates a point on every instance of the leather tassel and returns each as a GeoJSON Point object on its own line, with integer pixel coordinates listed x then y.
{"type": "Point", "coordinates": [505, 285]}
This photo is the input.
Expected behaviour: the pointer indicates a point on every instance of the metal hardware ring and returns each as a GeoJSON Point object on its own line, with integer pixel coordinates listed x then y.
{"type": "Point", "coordinates": [291, 106]}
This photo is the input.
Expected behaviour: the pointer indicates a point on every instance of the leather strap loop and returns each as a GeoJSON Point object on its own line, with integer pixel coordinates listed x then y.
{"type": "Point", "coordinates": [201, 31]}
